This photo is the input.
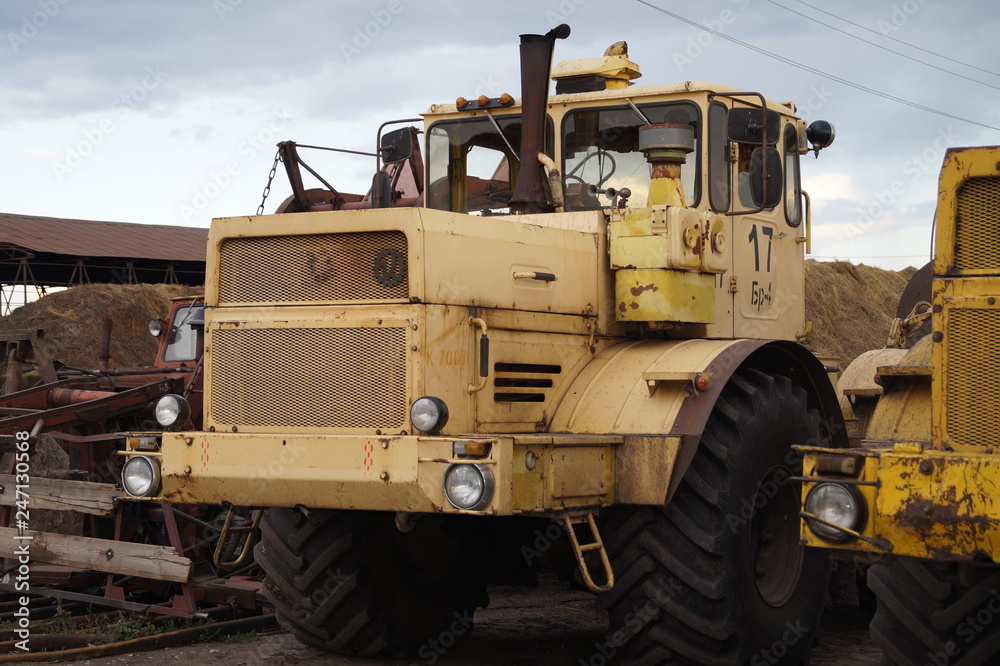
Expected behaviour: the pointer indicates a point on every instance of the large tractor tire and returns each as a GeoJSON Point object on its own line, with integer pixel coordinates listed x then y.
{"type": "Point", "coordinates": [933, 613]}
{"type": "Point", "coordinates": [717, 576]}
{"type": "Point", "coordinates": [351, 582]}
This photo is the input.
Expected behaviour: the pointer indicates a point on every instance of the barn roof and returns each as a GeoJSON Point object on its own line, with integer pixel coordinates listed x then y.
{"type": "Point", "coordinates": [103, 239]}
{"type": "Point", "coordinates": [61, 252]}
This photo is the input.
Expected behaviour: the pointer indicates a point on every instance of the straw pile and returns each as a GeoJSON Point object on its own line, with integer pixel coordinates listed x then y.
{"type": "Point", "coordinates": [851, 307]}
{"type": "Point", "coordinates": [73, 319]}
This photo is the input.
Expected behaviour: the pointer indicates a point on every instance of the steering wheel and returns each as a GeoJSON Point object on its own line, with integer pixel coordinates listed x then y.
{"type": "Point", "coordinates": [501, 198]}
{"type": "Point", "coordinates": [584, 199]}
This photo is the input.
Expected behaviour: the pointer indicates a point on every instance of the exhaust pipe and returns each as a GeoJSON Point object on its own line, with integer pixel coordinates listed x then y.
{"type": "Point", "coordinates": [536, 64]}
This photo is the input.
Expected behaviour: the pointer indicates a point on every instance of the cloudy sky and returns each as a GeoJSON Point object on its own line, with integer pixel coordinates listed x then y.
{"type": "Point", "coordinates": [168, 112]}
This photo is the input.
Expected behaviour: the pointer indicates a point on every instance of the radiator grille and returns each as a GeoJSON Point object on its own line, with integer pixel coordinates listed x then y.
{"type": "Point", "coordinates": [977, 225]}
{"type": "Point", "coordinates": [972, 384]}
{"type": "Point", "coordinates": [309, 377]}
{"type": "Point", "coordinates": [314, 269]}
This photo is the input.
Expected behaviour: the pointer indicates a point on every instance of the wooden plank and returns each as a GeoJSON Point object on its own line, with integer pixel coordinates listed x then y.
{"type": "Point", "coordinates": [130, 559]}
{"type": "Point", "coordinates": [62, 495]}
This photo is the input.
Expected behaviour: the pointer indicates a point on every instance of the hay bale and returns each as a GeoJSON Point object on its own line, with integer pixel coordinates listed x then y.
{"type": "Point", "coordinates": [851, 306]}
{"type": "Point", "coordinates": [73, 320]}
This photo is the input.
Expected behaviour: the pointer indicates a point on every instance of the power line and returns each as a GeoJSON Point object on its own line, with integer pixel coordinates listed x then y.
{"type": "Point", "coordinates": [818, 72]}
{"type": "Point", "coordinates": [884, 48]}
{"type": "Point", "coordinates": [900, 41]}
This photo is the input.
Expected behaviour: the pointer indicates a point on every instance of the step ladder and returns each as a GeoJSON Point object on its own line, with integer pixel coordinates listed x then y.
{"type": "Point", "coordinates": [568, 520]}
{"type": "Point", "coordinates": [230, 529]}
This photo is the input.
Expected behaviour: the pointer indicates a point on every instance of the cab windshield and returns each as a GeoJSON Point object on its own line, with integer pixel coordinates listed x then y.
{"type": "Point", "coordinates": [472, 166]}
{"type": "Point", "coordinates": [601, 152]}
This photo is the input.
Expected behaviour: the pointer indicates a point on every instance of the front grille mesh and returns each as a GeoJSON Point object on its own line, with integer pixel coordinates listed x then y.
{"type": "Point", "coordinates": [972, 385]}
{"type": "Point", "coordinates": [309, 377]}
{"type": "Point", "coordinates": [977, 225]}
{"type": "Point", "coordinates": [317, 268]}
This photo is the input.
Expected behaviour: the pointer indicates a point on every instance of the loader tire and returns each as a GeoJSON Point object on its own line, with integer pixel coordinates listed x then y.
{"type": "Point", "coordinates": [350, 582]}
{"type": "Point", "coordinates": [717, 576]}
{"type": "Point", "coordinates": [935, 613]}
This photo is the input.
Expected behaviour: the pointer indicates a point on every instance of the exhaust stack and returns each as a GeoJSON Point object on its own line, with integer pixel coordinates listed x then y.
{"type": "Point", "coordinates": [536, 63]}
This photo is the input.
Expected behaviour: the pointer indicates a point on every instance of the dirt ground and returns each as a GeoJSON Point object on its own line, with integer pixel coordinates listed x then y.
{"type": "Point", "coordinates": [549, 625]}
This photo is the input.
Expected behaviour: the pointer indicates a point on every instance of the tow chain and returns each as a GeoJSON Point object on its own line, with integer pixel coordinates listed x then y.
{"type": "Point", "coordinates": [904, 328]}
{"type": "Point", "coordinates": [270, 177]}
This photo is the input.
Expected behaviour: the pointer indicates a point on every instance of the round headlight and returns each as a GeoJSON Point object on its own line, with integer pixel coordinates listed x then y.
{"type": "Point", "coordinates": [468, 487]}
{"type": "Point", "coordinates": [172, 411]}
{"type": "Point", "coordinates": [429, 414]}
{"type": "Point", "coordinates": [141, 476]}
{"type": "Point", "coordinates": [155, 327]}
{"type": "Point", "coordinates": [836, 504]}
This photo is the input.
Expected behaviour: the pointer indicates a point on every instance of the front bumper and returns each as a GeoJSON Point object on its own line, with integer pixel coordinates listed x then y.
{"type": "Point", "coordinates": [533, 474]}
{"type": "Point", "coordinates": [919, 503]}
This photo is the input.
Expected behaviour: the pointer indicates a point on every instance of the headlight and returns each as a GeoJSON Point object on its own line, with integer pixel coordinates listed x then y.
{"type": "Point", "coordinates": [468, 487]}
{"type": "Point", "coordinates": [141, 476]}
{"type": "Point", "coordinates": [172, 411]}
{"type": "Point", "coordinates": [837, 504]}
{"type": "Point", "coordinates": [155, 327]}
{"type": "Point", "coordinates": [429, 414]}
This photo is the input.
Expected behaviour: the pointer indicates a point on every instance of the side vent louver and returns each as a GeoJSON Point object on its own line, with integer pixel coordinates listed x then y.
{"type": "Point", "coordinates": [522, 382]}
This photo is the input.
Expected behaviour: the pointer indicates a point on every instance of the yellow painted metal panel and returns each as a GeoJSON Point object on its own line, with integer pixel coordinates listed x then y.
{"type": "Point", "coordinates": [934, 505]}
{"type": "Point", "coordinates": [967, 238]}
{"type": "Point", "coordinates": [770, 287]}
{"type": "Point", "coordinates": [643, 469]}
{"type": "Point", "coordinates": [380, 473]}
{"type": "Point", "coordinates": [966, 367]}
{"type": "Point", "coordinates": [611, 396]}
{"type": "Point", "coordinates": [664, 295]}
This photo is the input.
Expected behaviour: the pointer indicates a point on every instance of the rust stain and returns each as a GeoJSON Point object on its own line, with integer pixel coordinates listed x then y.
{"type": "Point", "coordinates": [638, 289]}
{"type": "Point", "coordinates": [930, 518]}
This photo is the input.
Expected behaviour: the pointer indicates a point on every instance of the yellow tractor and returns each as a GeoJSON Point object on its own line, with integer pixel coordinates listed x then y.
{"type": "Point", "coordinates": [582, 308]}
{"type": "Point", "coordinates": [918, 494]}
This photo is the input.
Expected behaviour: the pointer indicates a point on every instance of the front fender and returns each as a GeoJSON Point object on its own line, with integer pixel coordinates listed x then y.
{"type": "Point", "coordinates": [646, 388]}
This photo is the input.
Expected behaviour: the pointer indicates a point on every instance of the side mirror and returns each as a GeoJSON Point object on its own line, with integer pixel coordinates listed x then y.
{"type": "Point", "coordinates": [396, 145]}
{"type": "Point", "coordinates": [747, 126]}
{"type": "Point", "coordinates": [766, 189]}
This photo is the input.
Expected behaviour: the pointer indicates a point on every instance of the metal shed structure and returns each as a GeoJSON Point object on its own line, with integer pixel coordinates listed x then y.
{"type": "Point", "coordinates": [39, 252]}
